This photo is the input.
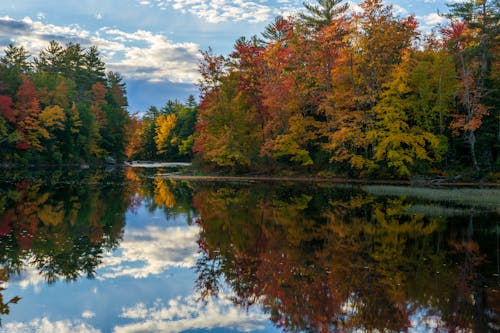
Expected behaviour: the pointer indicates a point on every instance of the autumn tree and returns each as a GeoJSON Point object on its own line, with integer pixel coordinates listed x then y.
{"type": "Point", "coordinates": [164, 126]}
{"type": "Point", "coordinates": [471, 39]}
{"type": "Point", "coordinates": [60, 105]}
{"type": "Point", "coordinates": [400, 139]}
{"type": "Point", "coordinates": [226, 124]}
{"type": "Point", "coordinates": [28, 122]}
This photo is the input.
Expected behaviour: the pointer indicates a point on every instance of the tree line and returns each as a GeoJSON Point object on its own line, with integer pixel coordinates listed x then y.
{"type": "Point", "coordinates": [165, 134]}
{"type": "Point", "coordinates": [329, 90]}
{"type": "Point", "coordinates": [361, 94]}
{"type": "Point", "coordinates": [60, 106]}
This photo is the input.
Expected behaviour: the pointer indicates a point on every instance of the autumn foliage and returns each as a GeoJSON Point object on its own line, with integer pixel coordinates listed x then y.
{"type": "Point", "coordinates": [357, 93]}
{"type": "Point", "coordinates": [60, 106]}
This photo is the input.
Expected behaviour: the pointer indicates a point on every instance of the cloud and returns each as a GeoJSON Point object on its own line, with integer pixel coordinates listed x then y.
{"type": "Point", "coordinates": [139, 55]}
{"type": "Point", "coordinates": [398, 10]}
{"type": "Point", "coordinates": [429, 21]}
{"type": "Point", "coordinates": [157, 60]}
{"type": "Point", "coordinates": [218, 11]}
{"type": "Point", "coordinates": [188, 313]}
{"type": "Point", "coordinates": [46, 326]}
{"type": "Point", "coordinates": [150, 251]}
{"type": "Point", "coordinates": [88, 314]}
{"type": "Point", "coordinates": [29, 277]}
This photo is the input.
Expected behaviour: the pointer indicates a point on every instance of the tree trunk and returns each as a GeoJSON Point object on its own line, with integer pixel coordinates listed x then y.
{"type": "Point", "coordinates": [472, 143]}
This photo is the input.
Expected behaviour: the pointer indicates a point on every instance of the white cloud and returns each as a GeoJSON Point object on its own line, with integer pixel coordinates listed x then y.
{"type": "Point", "coordinates": [29, 277]}
{"type": "Point", "coordinates": [217, 11]}
{"type": "Point", "coordinates": [158, 60]}
{"type": "Point", "coordinates": [88, 314]}
{"type": "Point", "coordinates": [140, 55]}
{"type": "Point", "coordinates": [429, 21]}
{"type": "Point", "coordinates": [44, 325]}
{"type": "Point", "coordinates": [398, 10]}
{"type": "Point", "coordinates": [150, 251]}
{"type": "Point", "coordinates": [189, 313]}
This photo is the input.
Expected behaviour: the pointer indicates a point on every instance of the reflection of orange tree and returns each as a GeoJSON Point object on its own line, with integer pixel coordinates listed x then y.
{"type": "Point", "coordinates": [358, 263]}
{"type": "Point", "coordinates": [270, 249]}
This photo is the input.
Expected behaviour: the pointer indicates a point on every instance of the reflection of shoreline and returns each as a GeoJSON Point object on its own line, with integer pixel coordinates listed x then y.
{"type": "Point", "coordinates": [311, 255]}
{"type": "Point", "coordinates": [139, 164]}
{"type": "Point", "coordinates": [333, 180]}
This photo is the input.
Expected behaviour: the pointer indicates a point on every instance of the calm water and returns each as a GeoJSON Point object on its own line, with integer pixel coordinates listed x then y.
{"type": "Point", "coordinates": [129, 251]}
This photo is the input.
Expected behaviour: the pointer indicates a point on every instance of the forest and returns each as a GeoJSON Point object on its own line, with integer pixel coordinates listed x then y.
{"type": "Point", "coordinates": [358, 94]}
{"type": "Point", "coordinates": [60, 106]}
{"type": "Point", "coordinates": [329, 91]}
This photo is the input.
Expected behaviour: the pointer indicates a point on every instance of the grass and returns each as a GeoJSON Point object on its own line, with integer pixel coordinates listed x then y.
{"type": "Point", "coordinates": [438, 210]}
{"type": "Point", "coordinates": [486, 198]}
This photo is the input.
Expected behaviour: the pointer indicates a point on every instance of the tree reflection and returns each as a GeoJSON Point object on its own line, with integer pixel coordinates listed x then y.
{"type": "Point", "coordinates": [358, 262]}
{"type": "Point", "coordinates": [5, 306]}
{"type": "Point", "coordinates": [156, 192]}
{"type": "Point", "coordinates": [62, 225]}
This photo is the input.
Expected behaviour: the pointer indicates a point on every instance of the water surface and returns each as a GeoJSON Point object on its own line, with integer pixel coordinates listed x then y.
{"type": "Point", "coordinates": [129, 251]}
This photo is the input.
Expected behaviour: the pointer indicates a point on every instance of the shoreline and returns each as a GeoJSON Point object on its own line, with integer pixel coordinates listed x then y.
{"type": "Point", "coordinates": [334, 180]}
{"type": "Point", "coordinates": [417, 182]}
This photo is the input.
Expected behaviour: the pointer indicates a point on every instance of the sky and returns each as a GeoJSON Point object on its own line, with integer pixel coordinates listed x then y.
{"type": "Point", "coordinates": [155, 44]}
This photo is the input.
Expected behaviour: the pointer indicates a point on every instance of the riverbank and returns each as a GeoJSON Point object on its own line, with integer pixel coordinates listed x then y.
{"type": "Point", "coordinates": [186, 171]}
{"type": "Point", "coordinates": [338, 180]}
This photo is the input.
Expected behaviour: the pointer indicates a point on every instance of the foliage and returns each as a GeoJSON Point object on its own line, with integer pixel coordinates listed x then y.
{"type": "Point", "coordinates": [165, 134]}
{"type": "Point", "coordinates": [60, 106]}
{"type": "Point", "coordinates": [360, 93]}
{"type": "Point", "coordinates": [324, 259]}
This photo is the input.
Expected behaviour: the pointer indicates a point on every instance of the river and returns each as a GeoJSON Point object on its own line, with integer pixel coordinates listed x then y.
{"type": "Point", "coordinates": [131, 250]}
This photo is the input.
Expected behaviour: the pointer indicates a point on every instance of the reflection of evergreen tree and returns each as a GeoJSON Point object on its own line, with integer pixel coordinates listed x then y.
{"type": "Point", "coordinates": [62, 225]}
{"type": "Point", "coordinates": [337, 259]}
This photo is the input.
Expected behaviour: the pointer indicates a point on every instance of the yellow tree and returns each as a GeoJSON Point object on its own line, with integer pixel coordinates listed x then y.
{"type": "Point", "coordinates": [399, 142]}
{"type": "Point", "coordinates": [163, 128]}
{"type": "Point", "coordinates": [376, 44]}
{"type": "Point", "coordinates": [53, 118]}
{"type": "Point", "coordinates": [227, 126]}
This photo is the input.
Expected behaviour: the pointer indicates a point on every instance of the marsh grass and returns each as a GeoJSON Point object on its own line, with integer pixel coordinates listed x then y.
{"type": "Point", "coordinates": [486, 198]}
{"type": "Point", "coordinates": [437, 210]}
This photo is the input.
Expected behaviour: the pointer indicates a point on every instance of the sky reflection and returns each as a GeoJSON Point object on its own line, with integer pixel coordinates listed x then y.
{"type": "Point", "coordinates": [145, 285]}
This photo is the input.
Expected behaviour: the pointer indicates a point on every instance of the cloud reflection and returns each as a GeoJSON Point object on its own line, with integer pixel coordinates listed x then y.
{"type": "Point", "coordinates": [29, 277]}
{"type": "Point", "coordinates": [189, 313]}
{"type": "Point", "coordinates": [44, 325]}
{"type": "Point", "coordinates": [150, 251]}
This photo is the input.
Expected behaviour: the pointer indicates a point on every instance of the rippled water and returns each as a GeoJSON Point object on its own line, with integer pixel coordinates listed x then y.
{"type": "Point", "coordinates": [129, 251]}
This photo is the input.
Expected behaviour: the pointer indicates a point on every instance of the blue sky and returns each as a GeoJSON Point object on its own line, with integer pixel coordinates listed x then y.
{"type": "Point", "coordinates": [155, 44]}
